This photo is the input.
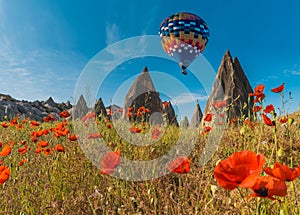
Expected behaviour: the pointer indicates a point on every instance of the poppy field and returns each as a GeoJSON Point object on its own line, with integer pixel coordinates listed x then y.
{"type": "Point", "coordinates": [255, 169]}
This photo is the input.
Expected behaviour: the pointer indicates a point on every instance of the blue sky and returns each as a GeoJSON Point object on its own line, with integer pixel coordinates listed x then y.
{"type": "Point", "coordinates": [45, 45]}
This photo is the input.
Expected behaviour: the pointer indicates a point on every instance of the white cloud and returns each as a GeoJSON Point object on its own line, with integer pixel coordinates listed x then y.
{"type": "Point", "coordinates": [112, 33]}
{"type": "Point", "coordinates": [294, 70]}
{"type": "Point", "coordinates": [187, 98]}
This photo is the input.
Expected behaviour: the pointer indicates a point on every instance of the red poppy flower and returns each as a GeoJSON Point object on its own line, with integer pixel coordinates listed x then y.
{"type": "Point", "coordinates": [135, 130]}
{"type": "Point", "coordinates": [23, 150]}
{"type": "Point", "coordinates": [109, 126]}
{"type": "Point", "coordinates": [257, 108]}
{"type": "Point", "coordinates": [156, 133]}
{"type": "Point", "coordinates": [278, 89]}
{"type": "Point", "coordinates": [239, 169]}
{"type": "Point", "coordinates": [219, 104]}
{"type": "Point", "coordinates": [5, 151]}
{"type": "Point", "coordinates": [165, 104]}
{"type": "Point", "coordinates": [4, 174]}
{"type": "Point", "coordinates": [283, 172]}
{"type": "Point", "coordinates": [180, 165]}
{"type": "Point", "coordinates": [13, 122]}
{"type": "Point", "coordinates": [22, 162]}
{"type": "Point", "coordinates": [34, 139]}
{"type": "Point", "coordinates": [109, 162]}
{"type": "Point", "coordinates": [208, 117]}
{"type": "Point", "coordinates": [49, 118]}
{"type": "Point", "coordinates": [38, 150]}
{"type": "Point", "coordinates": [267, 120]}
{"type": "Point", "coordinates": [232, 121]}
{"type": "Point", "coordinates": [1, 162]}
{"type": "Point", "coordinates": [259, 89]}
{"type": "Point", "coordinates": [283, 120]}
{"type": "Point", "coordinates": [267, 187]}
{"type": "Point", "coordinates": [23, 142]}
{"type": "Point", "coordinates": [269, 109]}
{"type": "Point", "coordinates": [94, 136]}
{"type": "Point", "coordinates": [64, 114]}
{"type": "Point", "coordinates": [4, 124]}
{"type": "Point", "coordinates": [34, 123]}
{"type": "Point", "coordinates": [59, 148]}
{"type": "Point", "coordinates": [259, 97]}
{"type": "Point", "coordinates": [72, 137]}
{"type": "Point", "coordinates": [47, 151]}
{"type": "Point", "coordinates": [130, 109]}
{"type": "Point", "coordinates": [42, 144]}
{"type": "Point", "coordinates": [207, 128]}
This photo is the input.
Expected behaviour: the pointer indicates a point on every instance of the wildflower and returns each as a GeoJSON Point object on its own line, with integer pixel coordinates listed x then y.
{"type": "Point", "coordinates": [278, 89]}
{"type": "Point", "coordinates": [283, 172]}
{"type": "Point", "coordinates": [258, 93]}
{"type": "Point", "coordinates": [257, 108]}
{"type": "Point", "coordinates": [4, 124]}
{"type": "Point", "coordinates": [59, 148]}
{"type": "Point", "coordinates": [267, 187]}
{"type": "Point", "coordinates": [156, 133]}
{"type": "Point", "coordinates": [42, 144]}
{"type": "Point", "coordinates": [135, 130]}
{"type": "Point", "coordinates": [22, 162]}
{"type": "Point", "coordinates": [5, 151]}
{"type": "Point", "coordinates": [165, 104]}
{"type": "Point", "coordinates": [64, 114]}
{"type": "Point", "coordinates": [4, 174]}
{"type": "Point", "coordinates": [38, 150]}
{"type": "Point", "coordinates": [219, 104]}
{"type": "Point", "coordinates": [72, 137]}
{"type": "Point", "coordinates": [208, 117]}
{"type": "Point", "coordinates": [23, 142]}
{"type": "Point", "coordinates": [239, 169]}
{"type": "Point", "coordinates": [23, 150]}
{"type": "Point", "coordinates": [269, 109]}
{"type": "Point", "coordinates": [34, 123]}
{"type": "Point", "coordinates": [180, 165]}
{"type": "Point", "coordinates": [259, 97]}
{"type": "Point", "coordinates": [283, 120]}
{"type": "Point", "coordinates": [13, 122]}
{"type": "Point", "coordinates": [94, 136]}
{"type": "Point", "coordinates": [109, 162]}
{"type": "Point", "coordinates": [267, 120]}
{"type": "Point", "coordinates": [47, 151]}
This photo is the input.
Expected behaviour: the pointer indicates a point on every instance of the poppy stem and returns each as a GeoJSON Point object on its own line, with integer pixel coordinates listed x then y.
{"type": "Point", "coordinates": [295, 195]}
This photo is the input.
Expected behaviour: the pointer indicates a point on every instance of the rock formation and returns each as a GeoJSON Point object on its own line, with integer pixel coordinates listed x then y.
{"type": "Point", "coordinates": [184, 123]}
{"type": "Point", "coordinates": [99, 108]}
{"type": "Point", "coordinates": [36, 110]}
{"type": "Point", "coordinates": [197, 117]}
{"type": "Point", "coordinates": [80, 109]}
{"type": "Point", "coordinates": [143, 93]}
{"type": "Point", "coordinates": [232, 85]}
{"type": "Point", "coordinates": [170, 113]}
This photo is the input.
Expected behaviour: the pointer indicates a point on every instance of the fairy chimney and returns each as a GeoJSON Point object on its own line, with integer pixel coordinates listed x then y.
{"type": "Point", "coordinates": [143, 93]}
{"type": "Point", "coordinates": [197, 117]}
{"type": "Point", "coordinates": [100, 108]}
{"type": "Point", "coordinates": [232, 85]}
{"type": "Point", "coordinates": [80, 108]}
{"type": "Point", "coordinates": [184, 123]}
{"type": "Point", "coordinates": [170, 113]}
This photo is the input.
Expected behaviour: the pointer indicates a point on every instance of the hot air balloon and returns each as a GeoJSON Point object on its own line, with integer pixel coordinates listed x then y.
{"type": "Point", "coordinates": [184, 36]}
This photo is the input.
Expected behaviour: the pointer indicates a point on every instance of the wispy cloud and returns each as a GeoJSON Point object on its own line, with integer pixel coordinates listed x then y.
{"type": "Point", "coordinates": [187, 98]}
{"type": "Point", "coordinates": [294, 70]}
{"type": "Point", "coordinates": [112, 33]}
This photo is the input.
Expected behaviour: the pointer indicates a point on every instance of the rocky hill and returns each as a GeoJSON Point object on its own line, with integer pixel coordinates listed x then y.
{"type": "Point", "coordinates": [36, 110]}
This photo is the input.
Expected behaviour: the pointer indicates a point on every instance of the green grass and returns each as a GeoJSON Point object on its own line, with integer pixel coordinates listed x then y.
{"type": "Point", "coordinates": [69, 183]}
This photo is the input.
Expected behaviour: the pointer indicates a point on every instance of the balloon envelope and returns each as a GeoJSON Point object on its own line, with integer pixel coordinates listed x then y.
{"type": "Point", "coordinates": [184, 36]}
